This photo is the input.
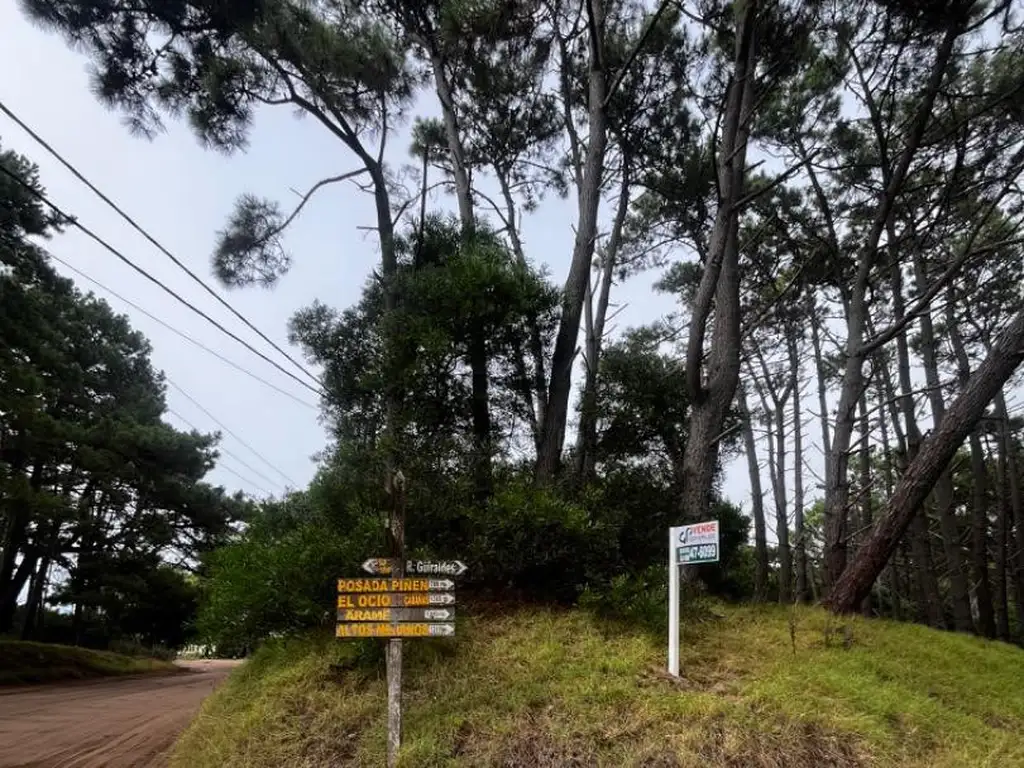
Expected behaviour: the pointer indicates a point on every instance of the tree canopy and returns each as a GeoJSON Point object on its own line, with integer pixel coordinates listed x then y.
{"type": "Point", "coordinates": [831, 192]}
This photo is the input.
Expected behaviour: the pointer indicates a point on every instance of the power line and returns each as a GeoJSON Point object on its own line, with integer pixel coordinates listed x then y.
{"type": "Point", "coordinates": [74, 222]}
{"type": "Point", "coordinates": [226, 452]}
{"type": "Point", "coordinates": [220, 465]}
{"type": "Point", "coordinates": [245, 480]}
{"type": "Point", "coordinates": [138, 228]}
{"type": "Point", "coordinates": [219, 423]}
{"type": "Point", "coordinates": [182, 334]}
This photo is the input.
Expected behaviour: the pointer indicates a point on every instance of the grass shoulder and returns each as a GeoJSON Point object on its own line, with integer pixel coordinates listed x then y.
{"type": "Point", "coordinates": [24, 662]}
{"type": "Point", "coordinates": [537, 687]}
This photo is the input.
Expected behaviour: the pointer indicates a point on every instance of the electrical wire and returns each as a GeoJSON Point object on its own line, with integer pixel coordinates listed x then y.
{"type": "Point", "coordinates": [138, 228]}
{"type": "Point", "coordinates": [244, 479]}
{"type": "Point", "coordinates": [74, 222]}
{"type": "Point", "coordinates": [182, 334]}
{"type": "Point", "coordinates": [226, 452]}
{"type": "Point", "coordinates": [219, 423]}
{"type": "Point", "coordinates": [220, 465]}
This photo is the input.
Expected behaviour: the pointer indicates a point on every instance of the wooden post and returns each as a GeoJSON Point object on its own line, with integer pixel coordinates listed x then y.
{"type": "Point", "coordinates": [394, 650]}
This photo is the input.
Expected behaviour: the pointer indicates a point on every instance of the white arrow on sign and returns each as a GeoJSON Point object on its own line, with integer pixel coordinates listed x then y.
{"type": "Point", "coordinates": [438, 614]}
{"type": "Point", "coordinates": [441, 630]}
{"type": "Point", "coordinates": [440, 585]}
{"type": "Point", "coordinates": [441, 598]}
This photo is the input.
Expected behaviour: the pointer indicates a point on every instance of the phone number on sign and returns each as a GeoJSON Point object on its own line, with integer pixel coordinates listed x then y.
{"type": "Point", "coordinates": [701, 552]}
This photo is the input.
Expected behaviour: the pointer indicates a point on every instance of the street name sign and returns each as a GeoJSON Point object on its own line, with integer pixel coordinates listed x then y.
{"type": "Point", "coordinates": [396, 599]}
{"type": "Point", "coordinates": [395, 585]}
{"type": "Point", "coordinates": [387, 629]}
{"type": "Point", "coordinates": [420, 604]}
{"type": "Point", "coordinates": [396, 614]}
{"type": "Point", "coordinates": [435, 567]}
{"type": "Point", "coordinates": [687, 545]}
{"type": "Point", "coordinates": [382, 566]}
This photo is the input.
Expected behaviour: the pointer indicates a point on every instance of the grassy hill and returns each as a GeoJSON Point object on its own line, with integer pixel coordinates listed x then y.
{"type": "Point", "coordinates": [42, 662]}
{"type": "Point", "coordinates": [770, 687]}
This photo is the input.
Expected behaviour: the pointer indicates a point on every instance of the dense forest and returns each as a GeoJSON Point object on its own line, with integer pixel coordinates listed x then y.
{"type": "Point", "coordinates": [830, 191]}
{"type": "Point", "coordinates": [103, 512]}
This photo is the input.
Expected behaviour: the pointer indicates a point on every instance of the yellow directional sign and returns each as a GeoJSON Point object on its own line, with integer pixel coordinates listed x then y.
{"type": "Point", "coordinates": [396, 599]}
{"type": "Point", "coordinates": [418, 629]}
{"type": "Point", "coordinates": [395, 585]}
{"type": "Point", "coordinates": [396, 614]}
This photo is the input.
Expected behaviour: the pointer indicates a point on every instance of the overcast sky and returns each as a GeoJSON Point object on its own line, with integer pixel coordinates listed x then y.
{"type": "Point", "coordinates": [181, 194]}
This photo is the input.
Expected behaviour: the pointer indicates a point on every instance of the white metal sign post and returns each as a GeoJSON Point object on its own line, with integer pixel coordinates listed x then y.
{"type": "Point", "coordinates": [687, 545]}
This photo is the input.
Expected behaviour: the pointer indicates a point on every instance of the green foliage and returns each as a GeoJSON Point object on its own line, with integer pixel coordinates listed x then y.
{"type": "Point", "coordinates": [539, 544]}
{"type": "Point", "coordinates": [456, 288]}
{"type": "Point", "coordinates": [22, 663]}
{"type": "Point", "coordinates": [215, 62]}
{"type": "Point", "coordinates": [637, 600]}
{"type": "Point", "coordinates": [279, 576]}
{"type": "Point", "coordinates": [93, 483]}
{"type": "Point", "coordinates": [606, 549]}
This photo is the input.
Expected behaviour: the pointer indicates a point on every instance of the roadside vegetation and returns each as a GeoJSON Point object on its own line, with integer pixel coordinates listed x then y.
{"type": "Point", "coordinates": [103, 506]}
{"type": "Point", "coordinates": [760, 688]}
{"type": "Point", "coordinates": [830, 193]}
{"type": "Point", "coordinates": [26, 662]}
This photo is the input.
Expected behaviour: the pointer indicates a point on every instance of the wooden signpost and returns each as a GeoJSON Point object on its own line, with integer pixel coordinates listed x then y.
{"type": "Point", "coordinates": [401, 599]}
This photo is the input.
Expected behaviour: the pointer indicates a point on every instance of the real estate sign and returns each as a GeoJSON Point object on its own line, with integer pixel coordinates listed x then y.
{"type": "Point", "coordinates": [687, 545]}
{"type": "Point", "coordinates": [697, 543]}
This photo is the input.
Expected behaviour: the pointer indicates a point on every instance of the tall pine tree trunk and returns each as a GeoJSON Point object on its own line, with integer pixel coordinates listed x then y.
{"type": "Point", "coordinates": [858, 316]}
{"type": "Point", "coordinates": [1001, 560]}
{"type": "Point", "coordinates": [782, 508]}
{"type": "Point", "coordinates": [34, 604]}
{"type": "Point", "coordinates": [478, 355]}
{"type": "Point", "coordinates": [756, 501]}
{"type": "Point", "coordinates": [595, 317]}
{"type": "Point", "coordinates": [536, 397]}
{"type": "Point", "coordinates": [951, 545]}
{"type": "Point", "coordinates": [864, 452]}
{"type": "Point", "coordinates": [12, 580]}
{"type": "Point", "coordinates": [979, 494]}
{"type": "Point", "coordinates": [924, 471]}
{"type": "Point", "coordinates": [921, 538]}
{"type": "Point", "coordinates": [588, 198]}
{"type": "Point", "coordinates": [712, 385]}
{"type": "Point", "coordinates": [925, 584]}
{"type": "Point", "coordinates": [1008, 448]}
{"type": "Point", "coordinates": [895, 592]}
{"type": "Point", "coordinates": [773, 405]}
{"type": "Point", "coordinates": [800, 543]}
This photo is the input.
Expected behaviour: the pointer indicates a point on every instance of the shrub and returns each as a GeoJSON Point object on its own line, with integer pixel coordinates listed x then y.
{"type": "Point", "coordinates": [278, 578]}
{"type": "Point", "coordinates": [533, 540]}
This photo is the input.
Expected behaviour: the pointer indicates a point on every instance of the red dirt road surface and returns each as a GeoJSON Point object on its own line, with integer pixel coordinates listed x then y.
{"type": "Point", "coordinates": [113, 723]}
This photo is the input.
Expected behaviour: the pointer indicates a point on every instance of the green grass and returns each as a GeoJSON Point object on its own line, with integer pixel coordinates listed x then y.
{"type": "Point", "coordinates": [42, 662]}
{"type": "Point", "coordinates": [547, 688]}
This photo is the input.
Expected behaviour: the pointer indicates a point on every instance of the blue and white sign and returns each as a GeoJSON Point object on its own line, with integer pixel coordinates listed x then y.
{"type": "Point", "coordinates": [687, 545]}
{"type": "Point", "coordinates": [697, 543]}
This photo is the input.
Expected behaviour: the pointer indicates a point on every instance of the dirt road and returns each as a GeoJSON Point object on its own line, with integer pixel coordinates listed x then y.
{"type": "Point", "coordinates": [109, 723]}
